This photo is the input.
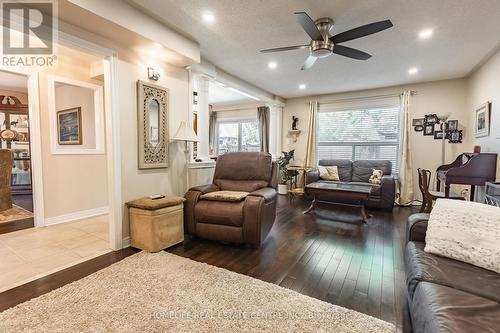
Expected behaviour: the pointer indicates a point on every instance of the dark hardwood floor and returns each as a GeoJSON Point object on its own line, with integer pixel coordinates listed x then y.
{"type": "Point", "coordinates": [329, 255]}
{"type": "Point", "coordinates": [25, 201]}
{"type": "Point", "coordinates": [341, 261]}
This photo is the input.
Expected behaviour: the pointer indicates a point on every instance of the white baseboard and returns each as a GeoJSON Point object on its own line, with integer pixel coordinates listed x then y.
{"type": "Point", "coordinates": [77, 215]}
{"type": "Point", "coordinates": [126, 242]}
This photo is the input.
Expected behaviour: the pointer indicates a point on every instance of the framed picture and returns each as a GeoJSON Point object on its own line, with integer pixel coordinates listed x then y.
{"type": "Point", "coordinates": [429, 129]}
{"type": "Point", "coordinates": [419, 128]}
{"type": "Point", "coordinates": [69, 126]}
{"type": "Point", "coordinates": [452, 125]}
{"type": "Point", "coordinates": [438, 135]}
{"type": "Point", "coordinates": [455, 136]}
{"type": "Point", "coordinates": [431, 119]}
{"type": "Point", "coordinates": [418, 122]}
{"type": "Point", "coordinates": [482, 126]}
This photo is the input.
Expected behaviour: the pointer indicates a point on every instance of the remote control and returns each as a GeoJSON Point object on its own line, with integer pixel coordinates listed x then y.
{"type": "Point", "coordinates": [156, 196]}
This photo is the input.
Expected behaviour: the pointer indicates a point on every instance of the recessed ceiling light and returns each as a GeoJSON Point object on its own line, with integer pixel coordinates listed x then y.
{"type": "Point", "coordinates": [425, 34]}
{"type": "Point", "coordinates": [302, 86]}
{"type": "Point", "coordinates": [272, 64]}
{"type": "Point", "coordinates": [208, 17]}
{"type": "Point", "coordinates": [413, 71]}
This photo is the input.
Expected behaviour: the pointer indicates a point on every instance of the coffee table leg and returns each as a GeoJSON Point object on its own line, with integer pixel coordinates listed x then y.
{"type": "Point", "coordinates": [311, 208]}
{"type": "Point", "coordinates": [364, 215]}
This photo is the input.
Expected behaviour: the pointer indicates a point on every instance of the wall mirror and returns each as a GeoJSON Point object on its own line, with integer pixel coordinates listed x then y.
{"type": "Point", "coordinates": [152, 108]}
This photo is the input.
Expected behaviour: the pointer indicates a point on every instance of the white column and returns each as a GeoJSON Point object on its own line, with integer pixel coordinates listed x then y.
{"type": "Point", "coordinates": [275, 128]}
{"type": "Point", "coordinates": [201, 87]}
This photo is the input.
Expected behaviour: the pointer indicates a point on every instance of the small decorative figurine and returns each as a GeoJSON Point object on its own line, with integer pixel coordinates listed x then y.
{"type": "Point", "coordinates": [295, 120]}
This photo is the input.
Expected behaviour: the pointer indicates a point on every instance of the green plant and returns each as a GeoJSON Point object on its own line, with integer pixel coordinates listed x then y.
{"type": "Point", "coordinates": [283, 161]}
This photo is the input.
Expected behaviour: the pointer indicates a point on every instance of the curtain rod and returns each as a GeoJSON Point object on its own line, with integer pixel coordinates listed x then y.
{"type": "Point", "coordinates": [413, 92]}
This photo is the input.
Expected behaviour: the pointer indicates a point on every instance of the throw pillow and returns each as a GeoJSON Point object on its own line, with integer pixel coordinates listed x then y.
{"type": "Point", "coordinates": [328, 173]}
{"type": "Point", "coordinates": [225, 196]}
{"type": "Point", "coordinates": [465, 231]}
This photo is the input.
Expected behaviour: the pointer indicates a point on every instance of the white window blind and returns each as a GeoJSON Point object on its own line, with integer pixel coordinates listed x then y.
{"type": "Point", "coordinates": [360, 131]}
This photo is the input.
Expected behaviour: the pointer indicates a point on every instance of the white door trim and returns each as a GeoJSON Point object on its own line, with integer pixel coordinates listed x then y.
{"type": "Point", "coordinates": [36, 149]}
{"type": "Point", "coordinates": [113, 151]}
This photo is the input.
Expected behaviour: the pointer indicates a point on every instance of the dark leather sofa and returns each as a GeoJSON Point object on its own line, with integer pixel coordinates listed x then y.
{"type": "Point", "coordinates": [446, 295]}
{"type": "Point", "coordinates": [248, 221]}
{"type": "Point", "coordinates": [358, 172]}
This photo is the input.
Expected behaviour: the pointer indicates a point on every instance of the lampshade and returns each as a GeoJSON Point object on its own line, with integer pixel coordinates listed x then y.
{"type": "Point", "coordinates": [185, 133]}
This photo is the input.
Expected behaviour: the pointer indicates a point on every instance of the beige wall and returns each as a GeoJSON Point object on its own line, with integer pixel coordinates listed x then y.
{"type": "Point", "coordinates": [139, 183]}
{"type": "Point", "coordinates": [69, 96]}
{"type": "Point", "coordinates": [72, 183]}
{"type": "Point", "coordinates": [484, 86]}
{"type": "Point", "coordinates": [438, 97]}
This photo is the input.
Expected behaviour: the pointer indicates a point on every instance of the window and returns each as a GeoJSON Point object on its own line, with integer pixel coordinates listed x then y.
{"type": "Point", "coordinates": [240, 135]}
{"type": "Point", "coordinates": [363, 133]}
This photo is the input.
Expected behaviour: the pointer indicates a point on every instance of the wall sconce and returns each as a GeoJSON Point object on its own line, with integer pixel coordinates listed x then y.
{"type": "Point", "coordinates": [153, 74]}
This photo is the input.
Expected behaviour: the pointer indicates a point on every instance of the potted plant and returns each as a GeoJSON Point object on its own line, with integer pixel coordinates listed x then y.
{"type": "Point", "coordinates": [285, 174]}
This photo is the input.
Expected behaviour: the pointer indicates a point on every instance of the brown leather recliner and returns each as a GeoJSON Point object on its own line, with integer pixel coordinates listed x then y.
{"type": "Point", "coordinates": [247, 221]}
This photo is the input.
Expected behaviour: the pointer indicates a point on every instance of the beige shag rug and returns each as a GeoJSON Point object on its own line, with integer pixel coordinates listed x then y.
{"type": "Point", "coordinates": [163, 292]}
{"type": "Point", "coordinates": [14, 214]}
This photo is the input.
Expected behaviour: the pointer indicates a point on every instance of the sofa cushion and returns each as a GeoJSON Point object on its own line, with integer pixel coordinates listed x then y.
{"type": "Point", "coordinates": [225, 196]}
{"type": "Point", "coordinates": [465, 231]}
{"type": "Point", "coordinates": [384, 165]}
{"type": "Point", "coordinates": [423, 266]}
{"type": "Point", "coordinates": [437, 308]}
{"type": "Point", "coordinates": [361, 174]}
{"type": "Point", "coordinates": [219, 212]}
{"type": "Point", "coordinates": [344, 168]}
{"type": "Point", "coordinates": [240, 185]}
{"type": "Point", "coordinates": [329, 172]}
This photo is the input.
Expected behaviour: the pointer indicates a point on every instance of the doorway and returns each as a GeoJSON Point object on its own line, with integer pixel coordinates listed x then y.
{"type": "Point", "coordinates": [16, 193]}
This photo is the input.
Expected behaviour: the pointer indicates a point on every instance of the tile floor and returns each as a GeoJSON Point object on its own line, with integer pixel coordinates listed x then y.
{"type": "Point", "coordinates": [29, 254]}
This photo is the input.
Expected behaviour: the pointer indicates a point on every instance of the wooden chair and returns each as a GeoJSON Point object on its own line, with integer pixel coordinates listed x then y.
{"type": "Point", "coordinates": [428, 197]}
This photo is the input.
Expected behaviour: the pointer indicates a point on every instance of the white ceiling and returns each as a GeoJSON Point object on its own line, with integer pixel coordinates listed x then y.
{"type": "Point", "coordinates": [219, 95]}
{"type": "Point", "coordinates": [13, 82]}
{"type": "Point", "coordinates": [465, 33]}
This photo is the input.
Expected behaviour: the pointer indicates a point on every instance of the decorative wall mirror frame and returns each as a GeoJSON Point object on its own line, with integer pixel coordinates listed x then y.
{"type": "Point", "coordinates": [152, 112]}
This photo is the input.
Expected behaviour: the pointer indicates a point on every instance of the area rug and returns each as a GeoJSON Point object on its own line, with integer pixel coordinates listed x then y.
{"type": "Point", "coordinates": [163, 292]}
{"type": "Point", "coordinates": [14, 214]}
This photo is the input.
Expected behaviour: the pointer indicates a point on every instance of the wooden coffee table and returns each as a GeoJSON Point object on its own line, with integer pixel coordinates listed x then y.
{"type": "Point", "coordinates": [337, 193]}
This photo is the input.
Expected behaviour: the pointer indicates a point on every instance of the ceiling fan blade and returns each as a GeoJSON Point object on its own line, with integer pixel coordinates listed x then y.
{"type": "Point", "coordinates": [361, 31]}
{"type": "Point", "coordinates": [286, 48]}
{"type": "Point", "coordinates": [309, 62]}
{"type": "Point", "coordinates": [351, 53]}
{"type": "Point", "coordinates": [308, 25]}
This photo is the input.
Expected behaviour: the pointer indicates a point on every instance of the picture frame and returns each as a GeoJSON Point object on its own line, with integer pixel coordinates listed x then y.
{"type": "Point", "coordinates": [438, 135]}
{"type": "Point", "coordinates": [69, 126]}
{"type": "Point", "coordinates": [452, 125]}
{"type": "Point", "coordinates": [455, 136]}
{"type": "Point", "coordinates": [419, 128]}
{"type": "Point", "coordinates": [418, 122]}
{"type": "Point", "coordinates": [482, 123]}
{"type": "Point", "coordinates": [429, 129]}
{"type": "Point", "coordinates": [431, 119]}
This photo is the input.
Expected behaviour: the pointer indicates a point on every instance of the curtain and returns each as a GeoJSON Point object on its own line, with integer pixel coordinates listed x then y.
{"type": "Point", "coordinates": [212, 122]}
{"type": "Point", "coordinates": [263, 116]}
{"type": "Point", "coordinates": [406, 168]}
{"type": "Point", "coordinates": [310, 160]}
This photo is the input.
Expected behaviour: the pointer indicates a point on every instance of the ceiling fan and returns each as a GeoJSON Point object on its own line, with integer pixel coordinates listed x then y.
{"type": "Point", "coordinates": [323, 44]}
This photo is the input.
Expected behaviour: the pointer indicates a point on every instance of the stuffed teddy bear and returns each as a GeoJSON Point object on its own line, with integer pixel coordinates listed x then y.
{"type": "Point", "coordinates": [376, 177]}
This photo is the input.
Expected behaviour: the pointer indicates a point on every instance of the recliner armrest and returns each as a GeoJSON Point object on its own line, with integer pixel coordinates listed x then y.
{"type": "Point", "coordinates": [268, 193]}
{"type": "Point", "coordinates": [312, 176]}
{"type": "Point", "coordinates": [416, 227]}
{"type": "Point", "coordinates": [205, 188]}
